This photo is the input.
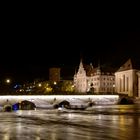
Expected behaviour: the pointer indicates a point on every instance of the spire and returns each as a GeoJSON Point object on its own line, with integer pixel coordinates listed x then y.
{"type": "Point", "coordinates": [81, 67]}
{"type": "Point", "coordinates": [99, 67]}
{"type": "Point", "coordinates": [81, 63]}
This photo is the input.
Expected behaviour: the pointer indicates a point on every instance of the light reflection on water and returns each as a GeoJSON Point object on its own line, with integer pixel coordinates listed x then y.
{"type": "Point", "coordinates": [96, 123]}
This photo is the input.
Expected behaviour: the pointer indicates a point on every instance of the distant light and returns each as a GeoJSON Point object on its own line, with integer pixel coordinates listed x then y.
{"type": "Point", "coordinates": [8, 81]}
{"type": "Point", "coordinates": [39, 84]}
{"type": "Point", "coordinates": [15, 86]}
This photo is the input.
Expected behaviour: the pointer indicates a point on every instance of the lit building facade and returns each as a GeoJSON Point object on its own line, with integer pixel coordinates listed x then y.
{"type": "Point", "coordinates": [138, 73]}
{"type": "Point", "coordinates": [90, 79]}
{"type": "Point", "coordinates": [127, 79]}
{"type": "Point", "coordinates": [80, 79]}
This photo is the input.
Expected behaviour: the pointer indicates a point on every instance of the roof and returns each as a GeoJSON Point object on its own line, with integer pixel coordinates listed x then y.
{"type": "Point", "coordinates": [130, 64]}
{"type": "Point", "coordinates": [90, 70]}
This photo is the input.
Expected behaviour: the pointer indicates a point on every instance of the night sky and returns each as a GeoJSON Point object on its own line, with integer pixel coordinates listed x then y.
{"type": "Point", "coordinates": [31, 44]}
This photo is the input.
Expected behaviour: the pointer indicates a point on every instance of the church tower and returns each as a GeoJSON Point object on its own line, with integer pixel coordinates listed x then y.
{"type": "Point", "coordinates": [80, 79]}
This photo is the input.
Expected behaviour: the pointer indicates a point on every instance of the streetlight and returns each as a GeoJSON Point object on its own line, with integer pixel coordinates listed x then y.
{"type": "Point", "coordinates": [39, 84]}
{"type": "Point", "coordinates": [54, 83]}
{"type": "Point", "coordinates": [8, 85]}
{"type": "Point", "coordinates": [8, 81]}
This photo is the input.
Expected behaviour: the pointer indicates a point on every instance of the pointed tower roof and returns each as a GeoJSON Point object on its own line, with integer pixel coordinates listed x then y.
{"type": "Point", "coordinates": [129, 65]}
{"type": "Point", "coordinates": [81, 69]}
{"type": "Point", "coordinates": [81, 64]}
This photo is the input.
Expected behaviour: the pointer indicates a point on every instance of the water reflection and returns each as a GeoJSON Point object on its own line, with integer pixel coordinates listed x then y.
{"type": "Point", "coordinates": [99, 122]}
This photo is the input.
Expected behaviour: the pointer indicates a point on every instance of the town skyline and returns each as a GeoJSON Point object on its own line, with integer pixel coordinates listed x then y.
{"type": "Point", "coordinates": [30, 51]}
{"type": "Point", "coordinates": [66, 71]}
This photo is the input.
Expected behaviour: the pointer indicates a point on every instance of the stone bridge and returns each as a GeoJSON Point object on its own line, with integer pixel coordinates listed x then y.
{"type": "Point", "coordinates": [44, 101]}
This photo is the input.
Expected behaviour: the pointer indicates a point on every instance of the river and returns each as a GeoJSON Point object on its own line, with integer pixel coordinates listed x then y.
{"type": "Point", "coordinates": [110, 122]}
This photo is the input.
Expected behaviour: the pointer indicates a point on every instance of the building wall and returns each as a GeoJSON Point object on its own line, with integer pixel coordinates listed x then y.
{"type": "Point", "coordinates": [127, 82]}
{"type": "Point", "coordinates": [107, 83]}
{"type": "Point", "coordinates": [80, 79]}
{"type": "Point", "coordinates": [138, 84]}
{"type": "Point", "coordinates": [101, 83]}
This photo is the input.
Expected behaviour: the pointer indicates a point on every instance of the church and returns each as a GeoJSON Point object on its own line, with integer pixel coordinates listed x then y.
{"type": "Point", "coordinates": [125, 80]}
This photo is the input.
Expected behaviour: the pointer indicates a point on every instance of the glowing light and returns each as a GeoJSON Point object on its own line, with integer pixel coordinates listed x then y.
{"type": "Point", "coordinates": [8, 81]}
{"type": "Point", "coordinates": [39, 84]}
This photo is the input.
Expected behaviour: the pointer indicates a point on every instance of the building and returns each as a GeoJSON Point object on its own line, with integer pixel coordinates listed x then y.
{"type": "Point", "coordinates": [138, 84]}
{"type": "Point", "coordinates": [54, 74]}
{"type": "Point", "coordinates": [96, 80]}
{"type": "Point", "coordinates": [127, 78]}
{"type": "Point", "coordinates": [80, 79]}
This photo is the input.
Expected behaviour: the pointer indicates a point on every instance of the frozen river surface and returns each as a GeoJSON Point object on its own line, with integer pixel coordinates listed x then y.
{"type": "Point", "coordinates": [96, 123]}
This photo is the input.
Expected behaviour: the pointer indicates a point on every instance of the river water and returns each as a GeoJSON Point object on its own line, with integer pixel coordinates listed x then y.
{"type": "Point", "coordinates": [111, 122]}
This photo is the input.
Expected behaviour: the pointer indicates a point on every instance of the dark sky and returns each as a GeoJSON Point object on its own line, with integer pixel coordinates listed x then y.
{"type": "Point", "coordinates": [32, 42]}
